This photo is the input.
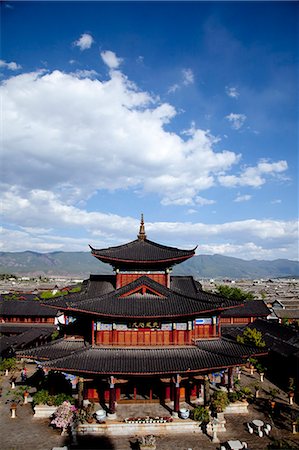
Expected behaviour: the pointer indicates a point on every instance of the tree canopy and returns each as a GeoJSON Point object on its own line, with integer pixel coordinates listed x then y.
{"type": "Point", "coordinates": [234, 293]}
{"type": "Point", "coordinates": [251, 336]}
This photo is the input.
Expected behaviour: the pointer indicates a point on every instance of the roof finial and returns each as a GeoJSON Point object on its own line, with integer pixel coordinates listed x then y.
{"type": "Point", "coordinates": [141, 235]}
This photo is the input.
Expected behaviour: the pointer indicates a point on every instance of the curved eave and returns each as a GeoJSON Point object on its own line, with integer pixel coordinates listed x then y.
{"type": "Point", "coordinates": [162, 373]}
{"type": "Point", "coordinates": [171, 261]}
{"type": "Point", "coordinates": [156, 316]}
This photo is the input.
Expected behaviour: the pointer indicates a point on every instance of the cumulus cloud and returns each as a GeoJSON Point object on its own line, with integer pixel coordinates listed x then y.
{"type": "Point", "coordinates": [110, 59]}
{"type": "Point", "coordinates": [254, 176]}
{"type": "Point", "coordinates": [89, 127]}
{"type": "Point", "coordinates": [9, 65]}
{"type": "Point", "coordinates": [236, 120]}
{"type": "Point", "coordinates": [243, 198]}
{"type": "Point", "coordinates": [68, 136]}
{"type": "Point", "coordinates": [41, 217]}
{"type": "Point", "coordinates": [232, 92]}
{"type": "Point", "coordinates": [84, 42]}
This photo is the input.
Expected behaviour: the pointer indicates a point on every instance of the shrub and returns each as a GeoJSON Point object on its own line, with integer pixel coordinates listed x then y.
{"type": "Point", "coordinates": [43, 397]}
{"type": "Point", "coordinates": [219, 401]}
{"type": "Point", "coordinates": [201, 414]}
{"type": "Point", "coordinates": [8, 364]}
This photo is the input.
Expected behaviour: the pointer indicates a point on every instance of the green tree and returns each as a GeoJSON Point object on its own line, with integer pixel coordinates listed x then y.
{"type": "Point", "coordinates": [251, 336]}
{"type": "Point", "coordinates": [234, 293]}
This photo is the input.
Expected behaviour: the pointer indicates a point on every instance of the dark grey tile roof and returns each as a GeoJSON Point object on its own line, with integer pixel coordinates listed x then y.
{"type": "Point", "coordinates": [279, 338]}
{"type": "Point", "coordinates": [141, 251]}
{"type": "Point", "coordinates": [167, 303]}
{"type": "Point", "coordinates": [227, 347]}
{"type": "Point", "coordinates": [25, 308]}
{"type": "Point", "coordinates": [155, 360]}
{"type": "Point", "coordinates": [28, 337]}
{"type": "Point", "coordinates": [17, 328]}
{"type": "Point", "coordinates": [56, 349]}
{"type": "Point", "coordinates": [287, 313]}
{"type": "Point", "coordinates": [184, 284]}
{"type": "Point", "coordinates": [252, 308]}
{"type": "Point", "coordinates": [25, 339]}
{"type": "Point", "coordinates": [283, 332]}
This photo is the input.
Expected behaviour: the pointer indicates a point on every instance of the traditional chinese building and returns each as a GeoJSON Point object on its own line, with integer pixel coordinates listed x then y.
{"type": "Point", "coordinates": [143, 334]}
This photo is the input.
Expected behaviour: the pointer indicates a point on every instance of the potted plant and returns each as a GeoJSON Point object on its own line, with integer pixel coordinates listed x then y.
{"type": "Point", "coordinates": [202, 415]}
{"type": "Point", "coordinates": [252, 363]}
{"type": "Point", "coordinates": [261, 370]}
{"type": "Point", "coordinates": [257, 389]}
{"type": "Point", "coordinates": [219, 401]}
{"type": "Point", "coordinates": [147, 442]}
{"type": "Point", "coordinates": [273, 393]}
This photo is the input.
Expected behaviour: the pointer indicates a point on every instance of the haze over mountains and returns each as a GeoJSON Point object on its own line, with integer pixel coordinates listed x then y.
{"type": "Point", "coordinates": [81, 264]}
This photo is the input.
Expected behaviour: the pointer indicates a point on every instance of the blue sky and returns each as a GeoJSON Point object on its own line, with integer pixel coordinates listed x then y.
{"type": "Point", "coordinates": [185, 111]}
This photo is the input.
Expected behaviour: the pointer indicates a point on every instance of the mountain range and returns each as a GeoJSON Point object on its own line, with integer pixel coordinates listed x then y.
{"type": "Point", "coordinates": [81, 264]}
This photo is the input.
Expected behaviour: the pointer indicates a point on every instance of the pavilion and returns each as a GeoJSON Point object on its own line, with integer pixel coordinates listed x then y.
{"type": "Point", "coordinates": [143, 334]}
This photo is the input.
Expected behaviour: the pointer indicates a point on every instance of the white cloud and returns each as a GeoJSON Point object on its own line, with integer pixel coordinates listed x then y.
{"type": "Point", "coordinates": [236, 120]}
{"type": "Point", "coordinates": [254, 176]}
{"type": "Point", "coordinates": [188, 77]}
{"type": "Point", "coordinates": [110, 59]}
{"type": "Point", "coordinates": [232, 92]}
{"type": "Point", "coordinates": [84, 42]}
{"type": "Point", "coordinates": [9, 65]}
{"type": "Point", "coordinates": [276, 202]}
{"type": "Point", "coordinates": [84, 73]}
{"type": "Point", "coordinates": [78, 135]}
{"type": "Point", "coordinates": [243, 198]}
{"type": "Point", "coordinates": [42, 219]}
{"type": "Point", "coordinates": [173, 88]}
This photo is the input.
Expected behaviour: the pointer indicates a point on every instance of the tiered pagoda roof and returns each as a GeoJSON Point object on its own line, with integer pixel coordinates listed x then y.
{"type": "Point", "coordinates": [142, 361]}
{"type": "Point", "coordinates": [142, 253]}
{"type": "Point", "coordinates": [142, 298]}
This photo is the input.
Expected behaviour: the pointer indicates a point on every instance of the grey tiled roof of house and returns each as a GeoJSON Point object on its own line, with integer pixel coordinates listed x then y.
{"type": "Point", "coordinates": [25, 308]}
{"type": "Point", "coordinates": [287, 313]}
{"type": "Point", "coordinates": [251, 308]}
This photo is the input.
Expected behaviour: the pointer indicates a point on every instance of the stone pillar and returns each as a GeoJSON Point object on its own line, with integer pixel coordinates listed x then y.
{"type": "Point", "coordinates": [80, 391]}
{"type": "Point", "coordinates": [230, 380]}
{"type": "Point", "coordinates": [214, 322]}
{"type": "Point", "coordinates": [206, 390]}
{"type": "Point", "coordinates": [176, 402]}
{"type": "Point", "coordinates": [111, 396]}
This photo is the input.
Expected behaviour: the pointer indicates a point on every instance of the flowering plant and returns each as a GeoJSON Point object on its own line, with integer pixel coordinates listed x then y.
{"type": "Point", "coordinates": [64, 415]}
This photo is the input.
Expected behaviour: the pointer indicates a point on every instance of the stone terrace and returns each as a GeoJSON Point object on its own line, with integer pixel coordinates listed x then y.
{"type": "Point", "coordinates": [28, 433]}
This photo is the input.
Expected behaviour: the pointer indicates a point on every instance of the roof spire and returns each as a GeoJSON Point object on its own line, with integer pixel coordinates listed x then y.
{"type": "Point", "coordinates": [141, 236]}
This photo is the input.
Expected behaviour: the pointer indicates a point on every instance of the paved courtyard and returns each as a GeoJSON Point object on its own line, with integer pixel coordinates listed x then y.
{"type": "Point", "coordinates": [27, 433]}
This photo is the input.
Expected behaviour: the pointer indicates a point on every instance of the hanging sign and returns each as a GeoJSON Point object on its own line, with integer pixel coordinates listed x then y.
{"type": "Point", "coordinates": [148, 324]}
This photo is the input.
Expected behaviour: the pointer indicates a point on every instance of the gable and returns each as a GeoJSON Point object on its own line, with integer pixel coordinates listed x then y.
{"type": "Point", "coordinates": [142, 290]}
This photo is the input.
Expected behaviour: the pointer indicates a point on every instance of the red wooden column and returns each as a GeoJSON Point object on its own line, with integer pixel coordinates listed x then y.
{"type": "Point", "coordinates": [176, 401]}
{"type": "Point", "coordinates": [111, 395]}
{"type": "Point", "coordinates": [92, 333]}
{"type": "Point", "coordinates": [223, 379]}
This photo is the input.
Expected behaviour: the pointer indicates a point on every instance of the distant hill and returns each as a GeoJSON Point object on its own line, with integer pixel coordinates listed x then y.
{"type": "Point", "coordinates": [81, 264]}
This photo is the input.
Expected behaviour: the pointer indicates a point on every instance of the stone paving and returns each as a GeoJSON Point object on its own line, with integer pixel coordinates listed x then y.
{"type": "Point", "coordinates": [27, 433]}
